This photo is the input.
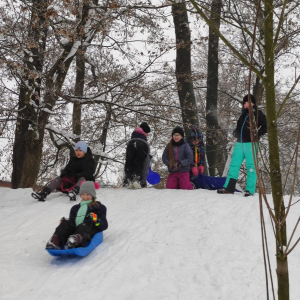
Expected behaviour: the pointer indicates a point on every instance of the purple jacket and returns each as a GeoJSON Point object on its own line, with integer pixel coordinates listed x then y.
{"type": "Point", "coordinates": [183, 154]}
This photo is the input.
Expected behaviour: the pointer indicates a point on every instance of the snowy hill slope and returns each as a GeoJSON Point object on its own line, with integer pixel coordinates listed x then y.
{"type": "Point", "coordinates": [160, 244]}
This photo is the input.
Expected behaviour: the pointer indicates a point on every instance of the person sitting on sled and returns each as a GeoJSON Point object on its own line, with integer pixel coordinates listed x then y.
{"type": "Point", "coordinates": [243, 147]}
{"type": "Point", "coordinates": [85, 220]}
{"type": "Point", "coordinates": [80, 168]}
{"type": "Point", "coordinates": [178, 157]}
{"type": "Point", "coordinates": [195, 140]}
{"type": "Point", "coordinates": [137, 158]}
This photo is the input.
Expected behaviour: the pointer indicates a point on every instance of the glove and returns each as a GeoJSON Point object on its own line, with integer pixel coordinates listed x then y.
{"type": "Point", "coordinates": [194, 171]}
{"type": "Point", "coordinates": [235, 133]}
{"type": "Point", "coordinates": [201, 169]}
{"type": "Point", "coordinates": [94, 218]}
{"type": "Point", "coordinates": [175, 166]}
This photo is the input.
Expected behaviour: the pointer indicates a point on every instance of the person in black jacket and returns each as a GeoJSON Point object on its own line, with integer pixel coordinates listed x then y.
{"type": "Point", "coordinates": [85, 220]}
{"type": "Point", "coordinates": [80, 168]}
{"type": "Point", "coordinates": [137, 158]}
{"type": "Point", "coordinates": [243, 147]}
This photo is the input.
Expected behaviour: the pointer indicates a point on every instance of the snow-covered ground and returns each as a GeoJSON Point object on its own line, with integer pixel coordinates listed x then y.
{"type": "Point", "coordinates": [160, 245]}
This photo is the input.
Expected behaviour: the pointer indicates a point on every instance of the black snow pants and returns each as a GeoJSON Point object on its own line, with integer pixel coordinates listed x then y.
{"type": "Point", "coordinates": [67, 228]}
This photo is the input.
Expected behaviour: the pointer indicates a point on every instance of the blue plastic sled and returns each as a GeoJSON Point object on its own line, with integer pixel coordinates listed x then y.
{"type": "Point", "coordinates": [81, 251]}
{"type": "Point", "coordinates": [209, 182]}
{"type": "Point", "coordinates": [153, 177]}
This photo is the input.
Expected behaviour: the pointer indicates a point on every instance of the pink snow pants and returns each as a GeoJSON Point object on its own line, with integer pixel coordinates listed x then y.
{"type": "Point", "coordinates": [179, 181]}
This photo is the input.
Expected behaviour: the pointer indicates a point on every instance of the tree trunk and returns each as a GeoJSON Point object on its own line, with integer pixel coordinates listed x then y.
{"type": "Point", "coordinates": [277, 192]}
{"type": "Point", "coordinates": [31, 125]}
{"type": "Point", "coordinates": [212, 124]}
{"type": "Point", "coordinates": [27, 149]}
{"type": "Point", "coordinates": [183, 66]}
{"type": "Point", "coordinates": [79, 87]}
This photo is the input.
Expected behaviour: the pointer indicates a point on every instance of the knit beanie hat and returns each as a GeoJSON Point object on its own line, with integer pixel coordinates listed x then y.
{"type": "Point", "coordinates": [245, 99]}
{"type": "Point", "coordinates": [179, 130]}
{"type": "Point", "coordinates": [89, 188]}
{"type": "Point", "coordinates": [145, 127]}
{"type": "Point", "coordinates": [196, 134]}
{"type": "Point", "coordinates": [82, 146]}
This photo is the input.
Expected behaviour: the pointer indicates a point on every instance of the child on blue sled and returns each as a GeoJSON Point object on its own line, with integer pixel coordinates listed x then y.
{"type": "Point", "coordinates": [85, 220]}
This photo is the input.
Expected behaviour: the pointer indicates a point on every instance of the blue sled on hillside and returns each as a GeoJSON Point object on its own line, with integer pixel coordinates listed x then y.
{"type": "Point", "coordinates": [80, 251]}
{"type": "Point", "coordinates": [209, 182]}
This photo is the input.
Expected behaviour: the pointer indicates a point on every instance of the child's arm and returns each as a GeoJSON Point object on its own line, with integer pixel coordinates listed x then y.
{"type": "Point", "coordinates": [100, 223]}
{"type": "Point", "coordinates": [189, 156]}
{"type": "Point", "coordinates": [165, 157]}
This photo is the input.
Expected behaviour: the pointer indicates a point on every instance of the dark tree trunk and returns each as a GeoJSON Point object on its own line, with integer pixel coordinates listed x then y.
{"type": "Point", "coordinates": [31, 123]}
{"type": "Point", "coordinates": [183, 66]}
{"type": "Point", "coordinates": [79, 87]}
{"type": "Point", "coordinates": [27, 149]}
{"type": "Point", "coordinates": [258, 90]}
{"type": "Point", "coordinates": [103, 136]}
{"type": "Point", "coordinates": [212, 133]}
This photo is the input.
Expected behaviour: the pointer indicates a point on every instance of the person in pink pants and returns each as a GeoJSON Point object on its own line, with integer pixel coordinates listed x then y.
{"type": "Point", "coordinates": [178, 157]}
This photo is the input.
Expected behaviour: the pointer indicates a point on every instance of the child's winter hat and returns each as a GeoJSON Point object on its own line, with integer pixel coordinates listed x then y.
{"type": "Point", "coordinates": [245, 99]}
{"type": "Point", "coordinates": [82, 146]}
{"type": "Point", "coordinates": [145, 127]}
{"type": "Point", "coordinates": [89, 187]}
{"type": "Point", "coordinates": [196, 133]}
{"type": "Point", "coordinates": [179, 130]}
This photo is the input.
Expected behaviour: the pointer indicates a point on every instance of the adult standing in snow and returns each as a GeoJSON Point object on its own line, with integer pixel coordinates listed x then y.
{"type": "Point", "coordinates": [85, 220]}
{"type": "Point", "coordinates": [178, 157]}
{"type": "Point", "coordinates": [137, 158]}
{"type": "Point", "coordinates": [80, 168]}
{"type": "Point", "coordinates": [243, 147]}
{"type": "Point", "coordinates": [195, 140]}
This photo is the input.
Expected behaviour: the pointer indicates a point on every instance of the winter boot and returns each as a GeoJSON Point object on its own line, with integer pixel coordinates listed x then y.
{"type": "Point", "coordinates": [247, 194]}
{"type": "Point", "coordinates": [41, 196]}
{"type": "Point", "coordinates": [53, 243]}
{"type": "Point", "coordinates": [136, 184]}
{"type": "Point", "coordinates": [73, 241]}
{"type": "Point", "coordinates": [72, 194]}
{"type": "Point", "coordinates": [223, 191]}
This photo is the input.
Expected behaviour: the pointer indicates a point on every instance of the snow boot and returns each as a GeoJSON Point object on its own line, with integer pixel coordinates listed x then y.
{"type": "Point", "coordinates": [247, 194]}
{"type": "Point", "coordinates": [136, 184]}
{"type": "Point", "coordinates": [41, 196]}
{"type": "Point", "coordinates": [73, 241]}
{"type": "Point", "coordinates": [53, 243]}
{"type": "Point", "coordinates": [72, 194]}
{"type": "Point", "coordinates": [223, 191]}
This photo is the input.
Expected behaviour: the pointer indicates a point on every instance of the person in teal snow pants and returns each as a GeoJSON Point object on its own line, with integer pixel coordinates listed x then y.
{"type": "Point", "coordinates": [243, 148]}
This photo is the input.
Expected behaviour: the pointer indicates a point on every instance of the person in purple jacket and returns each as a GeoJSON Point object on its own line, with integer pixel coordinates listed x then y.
{"type": "Point", "coordinates": [178, 157]}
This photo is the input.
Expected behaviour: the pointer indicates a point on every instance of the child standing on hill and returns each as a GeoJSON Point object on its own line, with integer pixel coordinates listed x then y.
{"type": "Point", "coordinates": [178, 157]}
{"type": "Point", "coordinates": [137, 158]}
{"type": "Point", "coordinates": [243, 147]}
{"type": "Point", "coordinates": [85, 220]}
{"type": "Point", "coordinates": [195, 140]}
{"type": "Point", "coordinates": [80, 168]}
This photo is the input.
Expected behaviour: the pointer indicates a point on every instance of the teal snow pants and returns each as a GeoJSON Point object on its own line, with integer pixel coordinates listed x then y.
{"type": "Point", "coordinates": [242, 151]}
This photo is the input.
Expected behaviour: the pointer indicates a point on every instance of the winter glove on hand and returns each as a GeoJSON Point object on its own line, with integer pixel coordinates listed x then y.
{"type": "Point", "coordinates": [176, 166]}
{"type": "Point", "coordinates": [94, 218]}
{"type": "Point", "coordinates": [201, 169]}
{"type": "Point", "coordinates": [194, 171]}
{"type": "Point", "coordinates": [235, 133]}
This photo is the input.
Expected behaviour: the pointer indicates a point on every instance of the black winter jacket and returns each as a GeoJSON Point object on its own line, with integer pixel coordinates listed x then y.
{"type": "Point", "coordinates": [80, 167]}
{"type": "Point", "coordinates": [242, 131]}
{"type": "Point", "coordinates": [99, 210]}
